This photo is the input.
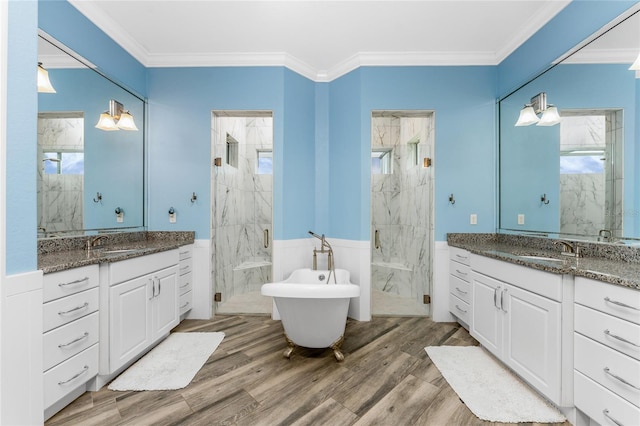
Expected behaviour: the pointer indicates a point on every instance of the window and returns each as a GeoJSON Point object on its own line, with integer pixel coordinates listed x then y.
{"type": "Point", "coordinates": [63, 163]}
{"type": "Point", "coordinates": [232, 151]}
{"type": "Point", "coordinates": [578, 162]}
{"type": "Point", "coordinates": [412, 148]}
{"type": "Point", "coordinates": [381, 160]}
{"type": "Point", "coordinates": [265, 162]}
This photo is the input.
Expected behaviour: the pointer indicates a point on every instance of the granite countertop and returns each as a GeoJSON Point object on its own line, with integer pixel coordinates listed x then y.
{"type": "Point", "coordinates": [614, 266]}
{"type": "Point", "coordinates": [66, 253]}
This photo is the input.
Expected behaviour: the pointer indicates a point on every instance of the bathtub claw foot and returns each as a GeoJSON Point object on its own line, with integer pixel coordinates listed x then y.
{"type": "Point", "coordinates": [290, 346]}
{"type": "Point", "coordinates": [336, 349]}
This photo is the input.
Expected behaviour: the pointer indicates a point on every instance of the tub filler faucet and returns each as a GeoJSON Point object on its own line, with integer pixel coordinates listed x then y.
{"type": "Point", "coordinates": [324, 244]}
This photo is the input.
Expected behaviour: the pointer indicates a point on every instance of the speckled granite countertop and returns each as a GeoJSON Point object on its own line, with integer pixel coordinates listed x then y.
{"type": "Point", "coordinates": [611, 263]}
{"type": "Point", "coordinates": [59, 254]}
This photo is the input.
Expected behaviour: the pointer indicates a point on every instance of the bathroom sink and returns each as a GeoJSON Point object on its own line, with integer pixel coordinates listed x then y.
{"type": "Point", "coordinates": [545, 258]}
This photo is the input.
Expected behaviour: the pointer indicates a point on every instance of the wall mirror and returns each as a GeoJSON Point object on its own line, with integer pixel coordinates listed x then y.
{"type": "Point", "coordinates": [84, 173]}
{"type": "Point", "coordinates": [577, 178]}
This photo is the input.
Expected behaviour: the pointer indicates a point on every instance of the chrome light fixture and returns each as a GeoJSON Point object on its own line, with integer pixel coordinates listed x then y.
{"type": "Point", "coordinates": [529, 113]}
{"type": "Point", "coordinates": [44, 84]}
{"type": "Point", "coordinates": [116, 118]}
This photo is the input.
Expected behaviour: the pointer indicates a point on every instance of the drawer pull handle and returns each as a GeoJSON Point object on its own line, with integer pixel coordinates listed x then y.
{"type": "Point", "coordinates": [185, 305]}
{"type": "Point", "coordinates": [77, 308]}
{"type": "Point", "coordinates": [607, 415]}
{"type": "Point", "coordinates": [622, 339]}
{"type": "Point", "coordinates": [84, 370]}
{"type": "Point", "coordinates": [461, 291]}
{"type": "Point", "coordinates": [461, 273]}
{"type": "Point", "coordinates": [461, 257]}
{"type": "Point", "coordinates": [460, 309]}
{"type": "Point", "coordinates": [64, 345]}
{"type": "Point", "coordinates": [624, 305]}
{"type": "Point", "coordinates": [76, 282]}
{"type": "Point", "coordinates": [184, 268]}
{"type": "Point", "coordinates": [606, 370]}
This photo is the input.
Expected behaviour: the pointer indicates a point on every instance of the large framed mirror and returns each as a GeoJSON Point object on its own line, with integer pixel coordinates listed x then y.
{"type": "Point", "coordinates": [579, 177]}
{"type": "Point", "coordinates": [85, 174]}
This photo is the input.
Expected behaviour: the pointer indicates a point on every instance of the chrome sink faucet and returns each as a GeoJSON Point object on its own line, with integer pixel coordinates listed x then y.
{"type": "Point", "coordinates": [92, 242]}
{"type": "Point", "coordinates": [568, 248]}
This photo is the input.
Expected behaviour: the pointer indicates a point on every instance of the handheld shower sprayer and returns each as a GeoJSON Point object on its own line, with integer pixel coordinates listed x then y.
{"type": "Point", "coordinates": [324, 243]}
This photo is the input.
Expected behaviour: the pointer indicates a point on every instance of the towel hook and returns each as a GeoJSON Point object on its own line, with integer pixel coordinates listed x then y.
{"type": "Point", "coordinates": [98, 198]}
{"type": "Point", "coordinates": [194, 197]}
{"type": "Point", "coordinates": [452, 200]}
{"type": "Point", "coordinates": [543, 199]}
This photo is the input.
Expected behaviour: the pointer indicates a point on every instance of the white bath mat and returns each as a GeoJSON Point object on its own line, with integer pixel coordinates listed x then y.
{"type": "Point", "coordinates": [488, 388]}
{"type": "Point", "coordinates": [170, 365]}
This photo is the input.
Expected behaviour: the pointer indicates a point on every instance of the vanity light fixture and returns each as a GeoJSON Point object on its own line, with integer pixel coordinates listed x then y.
{"type": "Point", "coordinates": [116, 118]}
{"type": "Point", "coordinates": [44, 84]}
{"type": "Point", "coordinates": [529, 113]}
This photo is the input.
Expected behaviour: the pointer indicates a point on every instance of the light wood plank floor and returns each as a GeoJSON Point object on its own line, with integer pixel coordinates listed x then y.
{"type": "Point", "coordinates": [385, 379]}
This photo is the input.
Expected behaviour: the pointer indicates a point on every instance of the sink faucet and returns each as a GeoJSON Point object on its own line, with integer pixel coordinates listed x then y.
{"type": "Point", "coordinates": [568, 248]}
{"type": "Point", "coordinates": [92, 242]}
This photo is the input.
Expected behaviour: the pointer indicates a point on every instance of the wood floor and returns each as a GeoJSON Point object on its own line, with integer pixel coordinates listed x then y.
{"type": "Point", "coordinates": [385, 379]}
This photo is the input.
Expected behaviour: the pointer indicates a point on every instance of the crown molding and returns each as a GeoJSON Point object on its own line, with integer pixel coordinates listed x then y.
{"type": "Point", "coordinates": [603, 56]}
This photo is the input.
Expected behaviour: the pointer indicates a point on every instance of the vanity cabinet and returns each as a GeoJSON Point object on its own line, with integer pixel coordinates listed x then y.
{"type": "Point", "coordinates": [185, 280]}
{"type": "Point", "coordinates": [516, 314]}
{"type": "Point", "coordinates": [607, 352]}
{"type": "Point", "coordinates": [70, 334]}
{"type": "Point", "coordinates": [142, 297]}
{"type": "Point", "coordinates": [460, 285]}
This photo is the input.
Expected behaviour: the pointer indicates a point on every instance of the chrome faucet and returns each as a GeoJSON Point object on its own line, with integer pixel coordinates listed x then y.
{"type": "Point", "coordinates": [604, 235]}
{"type": "Point", "coordinates": [568, 248]}
{"type": "Point", "coordinates": [324, 243]}
{"type": "Point", "coordinates": [92, 242]}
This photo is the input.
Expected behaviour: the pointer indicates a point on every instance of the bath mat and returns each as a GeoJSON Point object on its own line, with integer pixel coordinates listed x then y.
{"type": "Point", "coordinates": [488, 388]}
{"type": "Point", "coordinates": [170, 365]}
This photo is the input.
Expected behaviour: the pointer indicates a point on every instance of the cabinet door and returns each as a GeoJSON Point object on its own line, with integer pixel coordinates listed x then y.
{"type": "Point", "coordinates": [532, 344]}
{"type": "Point", "coordinates": [129, 320]}
{"type": "Point", "coordinates": [486, 325]}
{"type": "Point", "coordinates": [165, 302]}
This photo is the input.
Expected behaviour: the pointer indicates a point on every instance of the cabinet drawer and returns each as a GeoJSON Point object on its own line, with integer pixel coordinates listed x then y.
{"type": "Point", "coordinates": [70, 308]}
{"type": "Point", "coordinates": [594, 360]}
{"type": "Point", "coordinates": [595, 400]}
{"type": "Point", "coordinates": [460, 288]}
{"type": "Point", "coordinates": [185, 283]}
{"type": "Point", "coordinates": [607, 298]}
{"type": "Point", "coordinates": [185, 302]}
{"type": "Point", "coordinates": [64, 283]}
{"type": "Point", "coordinates": [66, 377]}
{"type": "Point", "coordinates": [70, 339]}
{"type": "Point", "coordinates": [460, 309]}
{"type": "Point", "coordinates": [184, 267]}
{"type": "Point", "coordinates": [185, 252]}
{"type": "Point", "coordinates": [608, 330]}
{"type": "Point", "coordinates": [459, 255]}
{"type": "Point", "coordinates": [459, 270]}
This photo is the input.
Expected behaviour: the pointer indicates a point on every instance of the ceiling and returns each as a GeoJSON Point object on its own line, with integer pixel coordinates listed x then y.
{"type": "Point", "coordinates": [320, 39]}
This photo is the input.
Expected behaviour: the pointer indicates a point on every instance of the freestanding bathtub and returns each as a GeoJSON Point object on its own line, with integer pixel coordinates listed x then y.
{"type": "Point", "coordinates": [313, 311]}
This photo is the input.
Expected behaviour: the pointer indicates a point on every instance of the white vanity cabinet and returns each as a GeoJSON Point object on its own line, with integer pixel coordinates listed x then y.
{"type": "Point", "coordinates": [71, 334]}
{"type": "Point", "coordinates": [516, 314]}
{"type": "Point", "coordinates": [460, 285]}
{"type": "Point", "coordinates": [141, 306]}
{"type": "Point", "coordinates": [185, 280]}
{"type": "Point", "coordinates": [607, 352]}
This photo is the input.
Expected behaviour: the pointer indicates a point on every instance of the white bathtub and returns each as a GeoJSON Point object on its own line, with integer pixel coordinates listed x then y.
{"type": "Point", "coordinates": [313, 312]}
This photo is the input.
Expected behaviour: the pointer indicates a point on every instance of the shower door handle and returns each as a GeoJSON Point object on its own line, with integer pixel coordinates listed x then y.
{"type": "Point", "coordinates": [266, 238]}
{"type": "Point", "coordinates": [376, 239]}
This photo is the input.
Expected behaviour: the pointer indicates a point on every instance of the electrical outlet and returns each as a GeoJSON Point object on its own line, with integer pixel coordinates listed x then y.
{"type": "Point", "coordinates": [473, 219]}
{"type": "Point", "coordinates": [520, 219]}
{"type": "Point", "coordinates": [120, 218]}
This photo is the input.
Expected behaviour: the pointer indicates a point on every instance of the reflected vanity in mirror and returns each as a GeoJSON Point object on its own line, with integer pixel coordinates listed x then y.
{"type": "Point", "coordinates": [85, 173]}
{"type": "Point", "coordinates": [576, 178]}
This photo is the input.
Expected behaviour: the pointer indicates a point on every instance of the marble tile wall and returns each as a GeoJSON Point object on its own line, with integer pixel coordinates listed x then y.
{"type": "Point", "coordinates": [59, 197]}
{"type": "Point", "coordinates": [243, 206]}
{"type": "Point", "coordinates": [400, 209]}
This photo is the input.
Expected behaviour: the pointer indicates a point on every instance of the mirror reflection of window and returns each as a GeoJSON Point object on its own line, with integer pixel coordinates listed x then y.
{"type": "Point", "coordinates": [64, 163]}
{"type": "Point", "coordinates": [381, 161]}
{"type": "Point", "coordinates": [265, 162]}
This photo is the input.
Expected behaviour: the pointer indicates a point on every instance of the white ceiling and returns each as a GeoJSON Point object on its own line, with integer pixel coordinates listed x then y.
{"type": "Point", "coordinates": [320, 39]}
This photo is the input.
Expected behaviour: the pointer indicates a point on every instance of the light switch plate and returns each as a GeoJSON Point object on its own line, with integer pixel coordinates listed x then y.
{"type": "Point", "coordinates": [520, 219]}
{"type": "Point", "coordinates": [473, 219]}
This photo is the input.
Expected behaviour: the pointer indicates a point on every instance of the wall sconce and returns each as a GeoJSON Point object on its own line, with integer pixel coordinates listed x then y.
{"type": "Point", "coordinates": [116, 118]}
{"type": "Point", "coordinates": [529, 114]}
{"type": "Point", "coordinates": [44, 85]}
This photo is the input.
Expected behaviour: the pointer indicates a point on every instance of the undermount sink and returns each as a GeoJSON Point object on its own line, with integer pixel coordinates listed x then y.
{"type": "Point", "coordinates": [545, 258]}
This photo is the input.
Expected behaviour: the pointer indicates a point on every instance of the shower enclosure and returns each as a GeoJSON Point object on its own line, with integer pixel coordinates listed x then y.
{"type": "Point", "coordinates": [401, 211]}
{"type": "Point", "coordinates": [242, 206]}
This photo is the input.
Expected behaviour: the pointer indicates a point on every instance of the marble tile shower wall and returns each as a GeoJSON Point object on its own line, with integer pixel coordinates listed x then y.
{"type": "Point", "coordinates": [400, 208]}
{"type": "Point", "coordinates": [59, 196]}
{"type": "Point", "coordinates": [242, 207]}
